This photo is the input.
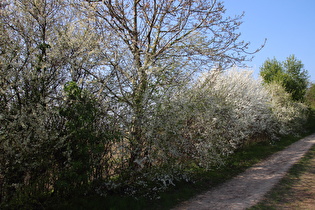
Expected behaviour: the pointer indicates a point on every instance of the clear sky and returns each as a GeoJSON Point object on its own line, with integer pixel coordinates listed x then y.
{"type": "Point", "coordinates": [288, 25]}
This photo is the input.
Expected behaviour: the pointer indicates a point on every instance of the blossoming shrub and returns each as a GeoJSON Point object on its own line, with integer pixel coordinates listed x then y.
{"type": "Point", "coordinates": [290, 115]}
{"type": "Point", "coordinates": [28, 137]}
{"type": "Point", "coordinates": [217, 115]}
{"type": "Point", "coordinates": [58, 150]}
{"type": "Point", "coordinates": [185, 125]}
{"type": "Point", "coordinates": [250, 101]}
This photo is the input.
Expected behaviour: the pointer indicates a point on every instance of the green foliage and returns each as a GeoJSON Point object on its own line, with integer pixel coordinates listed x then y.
{"type": "Point", "coordinates": [290, 74]}
{"type": "Point", "coordinates": [84, 143]}
{"type": "Point", "coordinates": [79, 113]}
{"type": "Point", "coordinates": [272, 71]}
{"type": "Point", "coordinates": [310, 96]}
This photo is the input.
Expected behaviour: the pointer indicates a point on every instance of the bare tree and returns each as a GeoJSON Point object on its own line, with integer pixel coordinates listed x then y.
{"type": "Point", "coordinates": [149, 46]}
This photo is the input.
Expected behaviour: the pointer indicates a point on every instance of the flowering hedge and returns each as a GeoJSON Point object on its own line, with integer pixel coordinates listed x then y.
{"type": "Point", "coordinates": [217, 115]}
{"type": "Point", "coordinates": [212, 119]}
{"type": "Point", "coordinates": [290, 115]}
{"type": "Point", "coordinates": [77, 145]}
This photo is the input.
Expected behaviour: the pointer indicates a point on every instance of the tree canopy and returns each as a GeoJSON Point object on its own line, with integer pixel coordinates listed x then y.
{"type": "Point", "coordinates": [289, 73]}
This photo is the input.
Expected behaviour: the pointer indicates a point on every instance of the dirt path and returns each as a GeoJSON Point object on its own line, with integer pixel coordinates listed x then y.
{"type": "Point", "coordinates": [248, 188]}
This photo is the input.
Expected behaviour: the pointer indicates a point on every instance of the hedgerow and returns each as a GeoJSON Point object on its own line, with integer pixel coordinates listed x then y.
{"type": "Point", "coordinates": [89, 107]}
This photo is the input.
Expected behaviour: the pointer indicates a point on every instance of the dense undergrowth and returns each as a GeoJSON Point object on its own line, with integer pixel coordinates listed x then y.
{"type": "Point", "coordinates": [203, 180]}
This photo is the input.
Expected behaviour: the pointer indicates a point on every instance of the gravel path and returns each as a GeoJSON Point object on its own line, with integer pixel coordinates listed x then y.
{"type": "Point", "coordinates": [249, 187]}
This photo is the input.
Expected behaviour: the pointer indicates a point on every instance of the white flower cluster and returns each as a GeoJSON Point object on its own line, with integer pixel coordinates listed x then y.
{"type": "Point", "coordinates": [222, 112]}
{"type": "Point", "coordinates": [290, 115]}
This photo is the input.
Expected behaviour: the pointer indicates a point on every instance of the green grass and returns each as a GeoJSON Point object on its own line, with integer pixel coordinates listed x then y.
{"type": "Point", "coordinates": [204, 180]}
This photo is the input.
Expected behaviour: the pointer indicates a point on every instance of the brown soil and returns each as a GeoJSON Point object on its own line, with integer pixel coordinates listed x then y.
{"type": "Point", "coordinates": [248, 188]}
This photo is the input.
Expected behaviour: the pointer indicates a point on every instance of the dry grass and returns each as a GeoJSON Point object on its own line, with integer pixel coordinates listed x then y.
{"type": "Point", "coordinates": [297, 188]}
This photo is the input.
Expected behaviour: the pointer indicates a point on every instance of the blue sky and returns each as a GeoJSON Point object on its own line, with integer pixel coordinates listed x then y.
{"type": "Point", "coordinates": [288, 25]}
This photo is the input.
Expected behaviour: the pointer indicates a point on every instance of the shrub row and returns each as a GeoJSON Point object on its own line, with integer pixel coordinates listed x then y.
{"type": "Point", "coordinates": [77, 146]}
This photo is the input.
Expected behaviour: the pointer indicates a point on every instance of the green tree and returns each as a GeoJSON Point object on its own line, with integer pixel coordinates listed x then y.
{"type": "Point", "coordinates": [290, 74]}
{"type": "Point", "coordinates": [310, 95]}
{"type": "Point", "coordinates": [272, 71]}
{"type": "Point", "coordinates": [296, 80]}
